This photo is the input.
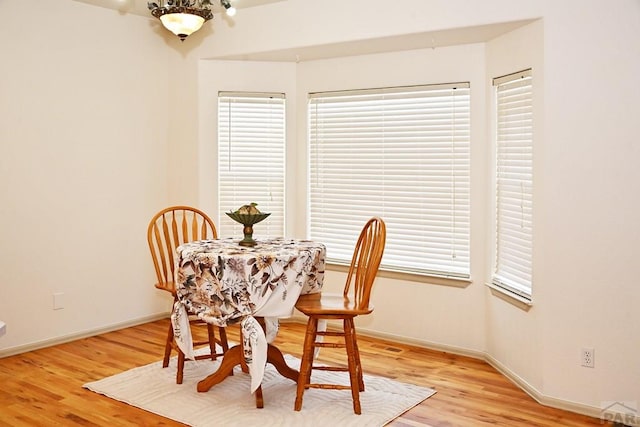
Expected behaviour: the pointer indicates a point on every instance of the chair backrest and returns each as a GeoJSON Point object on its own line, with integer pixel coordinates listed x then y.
{"type": "Point", "coordinates": [170, 228]}
{"type": "Point", "coordinates": [365, 262]}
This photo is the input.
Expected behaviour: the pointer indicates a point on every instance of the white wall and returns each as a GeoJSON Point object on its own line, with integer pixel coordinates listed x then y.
{"type": "Point", "coordinates": [82, 168]}
{"type": "Point", "coordinates": [588, 274]}
{"type": "Point", "coordinates": [513, 338]}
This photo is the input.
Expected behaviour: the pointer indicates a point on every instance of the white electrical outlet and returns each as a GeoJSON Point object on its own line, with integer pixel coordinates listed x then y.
{"type": "Point", "coordinates": [588, 357]}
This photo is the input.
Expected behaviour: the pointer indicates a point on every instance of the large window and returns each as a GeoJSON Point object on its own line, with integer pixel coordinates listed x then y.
{"type": "Point", "coordinates": [514, 183]}
{"type": "Point", "coordinates": [401, 154]}
{"type": "Point", "coordinates": [251, 147]}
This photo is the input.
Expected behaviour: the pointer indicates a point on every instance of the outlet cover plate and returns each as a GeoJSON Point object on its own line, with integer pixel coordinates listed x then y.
{"type": "Point", "coordinates": [588, 357]}
{"type": "Point", "coordinates": [58, 301]}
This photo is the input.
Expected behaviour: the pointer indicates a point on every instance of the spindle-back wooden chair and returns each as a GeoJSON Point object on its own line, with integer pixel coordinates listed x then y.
{"type": "Point", "coordinates": [353, 302]}
{"type": "Point", "coordinates": [167, 230]}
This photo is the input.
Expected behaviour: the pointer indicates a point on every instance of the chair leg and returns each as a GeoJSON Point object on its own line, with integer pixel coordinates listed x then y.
{"type": "Point", "coordinates": [223, 339]}
{"type": "Point", "coordinates": [312, 354]}
{"type": "Point", "coordinates": [358, 362]}
{"type": "Point", "coordinates": [211, 333]}
{"type": "Point", "coordinates": [180, 373]}
{"type": "Point", "coordinates": [168, 346]}
{"type": "Point", "coordinates": [349, 337]}
{"type": "Point", "coordinates": [306, 364]}
{"type": "Point", "coordinates": [224, 343]}
{"type": "Point", "coordinates": [259, 398]}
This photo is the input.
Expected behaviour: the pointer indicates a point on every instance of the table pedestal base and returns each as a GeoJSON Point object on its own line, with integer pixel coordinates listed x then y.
{"type": "Point", "coordinates": [235, 356]}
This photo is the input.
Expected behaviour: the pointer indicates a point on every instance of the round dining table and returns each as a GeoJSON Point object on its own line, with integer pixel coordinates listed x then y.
{"type": "Point", "coordinates": [224, 283]}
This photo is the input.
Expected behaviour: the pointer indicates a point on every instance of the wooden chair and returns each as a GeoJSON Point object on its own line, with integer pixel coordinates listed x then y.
{"type": "Point", "coordinates": [353, 302]}
{"type": "Point", "coordinates": [167, 230]}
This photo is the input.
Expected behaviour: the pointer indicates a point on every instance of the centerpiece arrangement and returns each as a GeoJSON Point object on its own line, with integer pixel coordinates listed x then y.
{"type": "Point", "coordinates": [248, 215]}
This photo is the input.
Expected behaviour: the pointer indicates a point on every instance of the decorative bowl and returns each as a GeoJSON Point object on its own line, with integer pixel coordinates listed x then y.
{"type": "Point", "coordinates": [247, 220]}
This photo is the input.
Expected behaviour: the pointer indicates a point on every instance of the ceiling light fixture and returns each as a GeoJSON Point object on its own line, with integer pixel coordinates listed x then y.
{"type": "Point", "coordinates": [185, 17]}
{"type": "Point", "coordinates": [231, 11]}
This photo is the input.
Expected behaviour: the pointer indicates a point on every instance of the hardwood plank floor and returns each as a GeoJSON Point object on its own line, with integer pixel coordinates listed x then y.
{"type": "Point", "coordinates": [44, 387]}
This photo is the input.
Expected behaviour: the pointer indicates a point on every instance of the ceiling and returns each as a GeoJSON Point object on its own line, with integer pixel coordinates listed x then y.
{"type": "Point", "coordinates": [432, 39]}
{"type": "Point", "coordinates": [139, 7]}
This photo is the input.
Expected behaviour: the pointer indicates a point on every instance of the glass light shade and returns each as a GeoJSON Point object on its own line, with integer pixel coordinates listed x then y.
{"type": "Point", "coordinates": [182, 24]}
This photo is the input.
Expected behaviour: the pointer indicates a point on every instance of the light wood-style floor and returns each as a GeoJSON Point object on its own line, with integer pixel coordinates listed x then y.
{"type": "Point", "coordinates": [44, 387]}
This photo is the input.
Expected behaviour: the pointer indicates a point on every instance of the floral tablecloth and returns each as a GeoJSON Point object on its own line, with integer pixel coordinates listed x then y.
{"type": "Point", "coordinates": [224, 283]}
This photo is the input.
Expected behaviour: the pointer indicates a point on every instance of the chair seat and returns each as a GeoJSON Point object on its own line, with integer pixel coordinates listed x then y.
{"type": "Point", "coordinates": [167, 286]}
{"type": "Point", "coordinates": [330, 305]}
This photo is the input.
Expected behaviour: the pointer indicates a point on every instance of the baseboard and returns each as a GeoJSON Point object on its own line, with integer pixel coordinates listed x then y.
{"type": "Point", "coordinates": [79, 335]}
{"type": "Point", "coordinates": [405, 340]}
{"type": "Point", "coordinates": [535, 394]}
{"type": "Point", "coordinates": [461, 351]}
{"type": "Point", "coordinates": [540, 397]}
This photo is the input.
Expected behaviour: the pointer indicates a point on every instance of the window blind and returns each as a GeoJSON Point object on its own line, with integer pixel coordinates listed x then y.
{"type": "Point", "coordinates": [514, 183]}
{"type": "Point", "coordinates": [251, 156]}
{"type": "Point", "coordinates": [401, 154]}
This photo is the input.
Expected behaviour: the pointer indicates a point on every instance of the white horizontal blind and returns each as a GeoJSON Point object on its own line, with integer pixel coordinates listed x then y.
{"type": "Point", "coordinates": [401, 154]}
{"type": "Point", "coordinates": [514, 183]}
{"type": "Point", "coordinates": [251, 156]}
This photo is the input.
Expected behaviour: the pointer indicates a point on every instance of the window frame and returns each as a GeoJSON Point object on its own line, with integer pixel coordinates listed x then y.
{"type": "Point", "coordinates": [513, 274]}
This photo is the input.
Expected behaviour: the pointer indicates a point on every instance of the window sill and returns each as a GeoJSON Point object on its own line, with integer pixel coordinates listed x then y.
{"type": "Point", "coordinates": [510, 297]}
{"type": "Point", "coordinates": [456, 282]}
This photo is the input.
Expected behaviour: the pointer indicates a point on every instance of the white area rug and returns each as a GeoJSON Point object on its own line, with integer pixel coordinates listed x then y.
{"type": "Point", "coordinates": [230, 403]}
